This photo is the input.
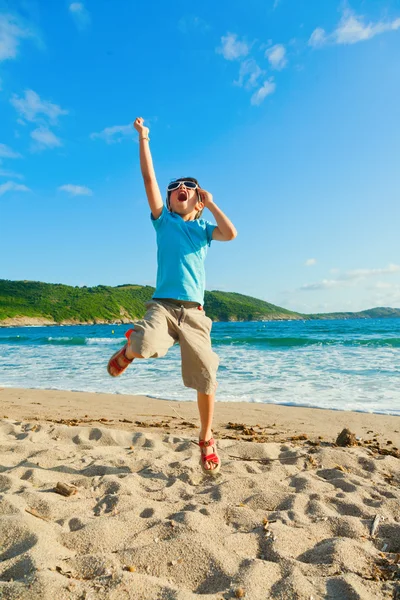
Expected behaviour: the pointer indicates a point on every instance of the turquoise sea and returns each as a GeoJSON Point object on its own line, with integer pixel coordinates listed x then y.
{"type": "Point", "coordinates": [350, 364]}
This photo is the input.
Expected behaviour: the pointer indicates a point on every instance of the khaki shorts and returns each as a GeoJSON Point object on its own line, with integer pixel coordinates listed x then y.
{"type": "Point", "coordinates": [169, 322]}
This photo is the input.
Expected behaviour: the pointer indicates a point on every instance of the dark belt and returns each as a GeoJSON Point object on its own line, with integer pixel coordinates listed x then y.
{"type": "Point", "coordinates": [179, 303]}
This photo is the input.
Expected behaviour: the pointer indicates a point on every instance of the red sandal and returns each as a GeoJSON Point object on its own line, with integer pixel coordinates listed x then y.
{"type": "Point", "coordinates": [213, 457]}
{"type": "Point", "coordinates": [119, 362]}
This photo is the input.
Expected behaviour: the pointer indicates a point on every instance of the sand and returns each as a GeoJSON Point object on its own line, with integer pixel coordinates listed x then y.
{"type": "Point", "coordinates": [289, 517]}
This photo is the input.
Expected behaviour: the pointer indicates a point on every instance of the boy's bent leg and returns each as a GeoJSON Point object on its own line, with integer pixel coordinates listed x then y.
{"type": "Point", "coordinates": [149, 338]}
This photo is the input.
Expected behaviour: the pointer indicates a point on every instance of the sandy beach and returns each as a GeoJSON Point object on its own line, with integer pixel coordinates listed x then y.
{"type": "Point", "coordinates": [291, 515]}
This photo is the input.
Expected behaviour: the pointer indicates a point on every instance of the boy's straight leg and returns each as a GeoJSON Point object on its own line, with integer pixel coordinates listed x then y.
{"type": "Point", "coordinates": [205, 403]}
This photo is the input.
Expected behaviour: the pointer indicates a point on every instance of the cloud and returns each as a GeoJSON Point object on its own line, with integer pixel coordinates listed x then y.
{"type": "Point", "coordinates": [11, 186]}
{"type": "Point", "coordinates": [44, 138]}
{"type": "Point", "coordinates": [12, 31]}
{"type": "Point", "coordinates": [6, 152]}
{"type": "Point", "coordinates": [318, 38]}
{"type": "Point", "coordinates": [4, 173]}
{"type": "Point", "coordinates": [76, 190]}
{"type": "Point", "coordinates": [276, 4]}
{"type": "Point", "coordinates": [32, 107]}
{"type": "Point", "coordinates": [350, 30]}
{"type": "Point", "coordinates": [231, 48]}
{"type": "Point", "coordinates": [249, 73]}
{"type": "Point", "coordinates": [259, 96]}
{"type": "Point", "coordinates": [80, 15]}
{"type": "Point", "coordinates": [310, 262]}
{"type": "Point", "coordinates": [277, 56]}
{"type": "Point", "coordinates": [114, 134]}
{"type": "Point", "coordinates": [350, 278]}
{"type": "Point", "coordinates": [325, 284]}
{"type": "Point", "coordinates": [192, 23]}
{"type": "Point", "coordinates": [357, 273]}
{"type": "Point", "coordinates": [384, 285]}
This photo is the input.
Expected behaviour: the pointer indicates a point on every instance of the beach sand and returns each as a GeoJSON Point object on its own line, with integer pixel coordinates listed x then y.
{"type": "Point", "coordinates": [289, 517]}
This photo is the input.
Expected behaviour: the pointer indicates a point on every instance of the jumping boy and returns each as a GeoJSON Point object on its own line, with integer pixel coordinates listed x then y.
{"type": "Point", "coordinates": [175, 313]}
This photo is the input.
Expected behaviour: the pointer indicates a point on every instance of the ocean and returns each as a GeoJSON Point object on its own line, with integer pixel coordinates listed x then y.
{"type": "Point", "coordinates": [339, 364]}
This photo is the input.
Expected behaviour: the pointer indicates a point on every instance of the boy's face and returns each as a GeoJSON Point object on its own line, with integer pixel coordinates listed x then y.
{"type": "Point", "coordinates": [185, 202]}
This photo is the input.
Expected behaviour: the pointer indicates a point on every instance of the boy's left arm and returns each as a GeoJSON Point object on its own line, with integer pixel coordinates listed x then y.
{"type": "Point", "coordinates": [225, 230]}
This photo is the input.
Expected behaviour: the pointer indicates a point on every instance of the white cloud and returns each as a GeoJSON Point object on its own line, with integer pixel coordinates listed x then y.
{"type": "Point", "coordinates": [384, 285]}
{"type": "Point", "coordinates": [114, 134]}
{"type": "Point", "coordinates": [325, 284]}
{"type": "Point", "coordinates": [352, 29]}
{"type": "Point", "coordinates": [259, 96]}
{"type": "Point", "coordinates": [44, 138]}
{"type": "Point", "coordinates": [350, 278]}
{"type": "Point", "coordinates": [76, 190]}
{"type": "Point", "coordinates": [318, 38]}
{"type": "Point", "coordinates": [310, 262]}
{"type": "Point", "coordinates": [231, 48]}
{"type": "Point", "coordinates": [357, 273]}
{"type": "Point", "coordinates": [12, 31]}
{"type": "Point", "coordinates": [11, 186]}
{"type": "Point", "coordinates": [32, 107]}
{"type": "Point", "coordinates": [277, 56]}
{"type": "Point", "coordinates": [192, 23]}
{"type": "Point", "coordinates": [6, 152]}
{"type": "Point", "coordinates": [80, 15]}
{"type": "Point", "coordinates": [4, 173]}
{"type": "Point", "coordinates": [249, 73]}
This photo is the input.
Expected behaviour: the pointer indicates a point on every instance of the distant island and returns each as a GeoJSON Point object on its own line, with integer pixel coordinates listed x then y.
{"type": "Point", "coordinates": [36, 303]}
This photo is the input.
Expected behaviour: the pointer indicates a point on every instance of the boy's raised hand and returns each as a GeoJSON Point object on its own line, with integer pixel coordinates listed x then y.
{"type": "Point", "coordinates": [206, 198]}
{"type": "Point", "coordinates": [140, 128]}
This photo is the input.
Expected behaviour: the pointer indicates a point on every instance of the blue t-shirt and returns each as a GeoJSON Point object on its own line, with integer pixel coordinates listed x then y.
{"type": "Point", "coordinates": [181, 250]}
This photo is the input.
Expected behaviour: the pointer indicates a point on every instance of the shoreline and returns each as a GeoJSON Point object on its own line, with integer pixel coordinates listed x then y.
{"type": "Point", "coordinates": [228, 403]}
{"type": "Point", "coordinates": [39, 322]}
{"type": "Point", "coordinates": [15, 322]}
{"type": "Point", "coordinates": [112, 409]}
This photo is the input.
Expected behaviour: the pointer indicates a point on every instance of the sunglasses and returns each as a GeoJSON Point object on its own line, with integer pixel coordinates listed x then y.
{"type": "Point", "coordinates": [191, 185]}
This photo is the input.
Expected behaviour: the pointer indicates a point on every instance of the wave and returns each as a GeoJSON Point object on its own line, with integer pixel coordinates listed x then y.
{"type": "Point", "coordinates": [14, 339]}
{"type": "Point", "coordinates": [60, 341]}
{"type": "Point", "coordinates": [292, 342]}
{"type": "Point", "coordinates": [265, 342]}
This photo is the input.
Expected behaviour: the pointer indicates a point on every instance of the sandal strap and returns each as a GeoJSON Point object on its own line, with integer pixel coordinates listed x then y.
{"type": "Point", "coordinates": [114, 362]}
{"type": "Point", "coordinates": [123, 356]}
{"type": "Point", "coordinates": [210, 458]}
{"type": "Point", "coordinates": [205, 443]}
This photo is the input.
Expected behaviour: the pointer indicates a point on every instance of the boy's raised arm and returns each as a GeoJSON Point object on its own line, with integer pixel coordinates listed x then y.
{"type": "Point", "coordinates": [146, 165]}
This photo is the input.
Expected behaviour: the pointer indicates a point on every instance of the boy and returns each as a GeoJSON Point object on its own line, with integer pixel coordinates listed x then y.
{"type": "Point", "coordinates": [176, 313]}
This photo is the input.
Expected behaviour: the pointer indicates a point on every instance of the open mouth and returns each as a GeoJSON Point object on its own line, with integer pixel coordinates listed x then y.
{"type": "Point", "coordinates": [182, 196]}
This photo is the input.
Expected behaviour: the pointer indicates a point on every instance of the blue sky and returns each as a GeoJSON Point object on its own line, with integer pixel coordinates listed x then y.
{"type": "Point", "coordinates": [286, 110]}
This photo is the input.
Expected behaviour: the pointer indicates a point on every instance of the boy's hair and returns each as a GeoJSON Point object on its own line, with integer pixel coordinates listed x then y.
{"type": "Point", "coordinates": [199, 213]}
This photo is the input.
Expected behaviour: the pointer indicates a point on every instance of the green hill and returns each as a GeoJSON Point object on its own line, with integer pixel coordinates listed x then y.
{"type": "Point", "coordinates": [33, 302]}
{"type": "Point", "coordinates": [372, 313]}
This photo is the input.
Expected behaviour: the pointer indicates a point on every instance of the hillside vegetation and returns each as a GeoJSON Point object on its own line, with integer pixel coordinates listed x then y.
{"type": "Point", "coordinates": [104, 304]}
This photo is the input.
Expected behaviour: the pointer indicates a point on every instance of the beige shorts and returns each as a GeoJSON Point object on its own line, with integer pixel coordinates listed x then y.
{"type": "Point", "coordinates": [169, 322]}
